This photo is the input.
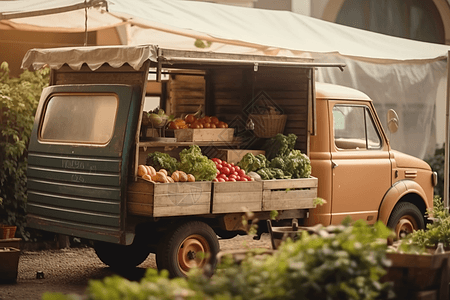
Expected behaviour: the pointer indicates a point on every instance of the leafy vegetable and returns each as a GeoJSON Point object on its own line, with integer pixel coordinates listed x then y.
{"type": "Point", "coordinates": [293, 162]}
{"type": "Point", "coordinates": [159, 160]}
{"type": "Point", "coordinates": [272, 173]}
{"type": "Point", "coordinates": [297, 164]}
{"type": "Point", "coordinates": [280, 145]}
{"type": "Point", "coordinates": [250, 162]}
{"type": "Point", "coordinates": [192, 161]}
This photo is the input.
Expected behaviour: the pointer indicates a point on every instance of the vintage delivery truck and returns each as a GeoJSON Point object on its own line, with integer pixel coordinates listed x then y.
{"type": "Point", "coordinates": [91, 135]}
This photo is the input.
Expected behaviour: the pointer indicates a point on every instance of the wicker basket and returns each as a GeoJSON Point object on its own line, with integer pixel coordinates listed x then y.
{"type": "Point", "coordinates": [7, 232]}
{"type": "Point", "coordinates": [267, 126]}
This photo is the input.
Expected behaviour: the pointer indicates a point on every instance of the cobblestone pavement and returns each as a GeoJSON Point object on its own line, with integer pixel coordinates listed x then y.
{"type": "Point", "coordinates": [69, 270]}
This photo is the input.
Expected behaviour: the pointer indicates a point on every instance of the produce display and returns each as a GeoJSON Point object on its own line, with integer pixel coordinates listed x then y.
{"type": "Point", "coordinates": [194, 121]}
{"type": "Point", "coordinates": [192, 162]}
{"type": "Point", "coordinates": [157, 118]}
{"type": "Point", "coordinates": [229, 172]}
{"type": "Point", "coordinates": [162, 176]}
{"type": "Point", "coordinates": [282, 161]}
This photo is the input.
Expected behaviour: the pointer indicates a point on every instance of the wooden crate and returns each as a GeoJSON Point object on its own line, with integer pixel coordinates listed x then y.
{"type": "Point", "coordinates": [169, 199]}
{"type": "Point", "coordinates": [240, 196]}
{"type": "Point", "coordinates": [414, 274]}
{"type": "Point", "coordinates": [235, 155]}
{"type": "Point", "coordinates": [282, 194]}
{"type": "Point", "coordinates": [9, 263]}
{"type": "Point", "coordinates": [204, 134]}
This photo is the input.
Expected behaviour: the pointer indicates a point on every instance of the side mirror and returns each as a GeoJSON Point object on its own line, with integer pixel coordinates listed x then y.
{"type": "Point", "coordinates": [392, 121]}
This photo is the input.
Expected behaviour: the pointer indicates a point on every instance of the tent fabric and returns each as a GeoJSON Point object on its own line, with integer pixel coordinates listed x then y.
{"type": "Point", "coordinates": [280, 29]}
{"type": "Point", "coordinates": [410, 89]}
{"type": "Point", "coordinates": [396, 73]}
{"type": "Point", "coordinates": [94, 57]}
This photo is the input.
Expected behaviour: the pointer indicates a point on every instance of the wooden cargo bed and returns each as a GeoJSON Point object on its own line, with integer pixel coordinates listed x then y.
{"type": "Point", "coordinates": [205, 197]}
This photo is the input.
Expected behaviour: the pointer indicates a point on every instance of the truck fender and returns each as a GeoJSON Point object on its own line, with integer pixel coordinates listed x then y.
{"type": "Point", "coordinates": [399, 190]}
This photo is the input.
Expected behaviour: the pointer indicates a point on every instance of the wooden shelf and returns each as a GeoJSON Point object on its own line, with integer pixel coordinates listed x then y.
{"type": "Point", "coordinates": [156, 144]}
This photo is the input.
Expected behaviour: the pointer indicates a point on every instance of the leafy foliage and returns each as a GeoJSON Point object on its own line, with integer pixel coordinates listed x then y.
{"type": "Point", "coordinates": [338, 262]}
{"type": "Point", "coordinates": [436, 232]}
{"type": "Point", "coordinates": [192, 161]}
{"type": "Point", "coordinates": [437, 163]}
{"type": "Point", "coordinates": [19, 98]}
{"type": "Point", "coordinates": [160, 160]}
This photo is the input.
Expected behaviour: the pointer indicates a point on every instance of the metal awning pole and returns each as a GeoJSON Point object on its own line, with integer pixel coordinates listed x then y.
{"type": "Point", "coordinates": [447, 132]}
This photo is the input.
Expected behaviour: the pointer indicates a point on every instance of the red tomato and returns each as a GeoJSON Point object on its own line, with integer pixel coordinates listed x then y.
{"type": "Point", "coordinates": [216, 180]}
{"type": "Point", "coordinates": [221, 180]}
{"type": "Point", "coordinates": [225, 170]}
{"type": "Point", "coordinates": [232, 176]}
{"type": "Point", "coordinates": [232, 169]}
{"type": "Point", "coordinates": [222, 176]}
{"type": "Point", "coordinates": [241, 172]}
{"type": "Point", "coordinates": [244, 179]}
{"type": "Point", "coordinates": [232, 179]}
{"type": "Point", "coordinates": [238, 178]}
{"type": "Point", "coordinates": [237, 168]}
{"type": "Point", "coordinates": [235, 173]}
{"type": "Point", "coordinates": [190, 118]}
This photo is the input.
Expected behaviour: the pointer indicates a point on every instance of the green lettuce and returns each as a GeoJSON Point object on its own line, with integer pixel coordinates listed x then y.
{"type": "Point", "coordinates": [192, 161]}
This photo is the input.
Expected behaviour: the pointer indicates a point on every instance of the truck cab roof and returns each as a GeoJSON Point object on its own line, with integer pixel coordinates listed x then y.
{"type": "Point", "coordinates": [333, 91]}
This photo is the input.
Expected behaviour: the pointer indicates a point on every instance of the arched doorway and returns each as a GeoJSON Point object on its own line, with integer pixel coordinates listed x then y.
{"type": "Point", "coordinates": [413, 19]}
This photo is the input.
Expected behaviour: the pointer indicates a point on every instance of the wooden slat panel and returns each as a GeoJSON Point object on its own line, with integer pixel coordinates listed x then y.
{"type": "Point", "coordinates": [297, 183]}
{"type": "Point", "coordinates": [186, 94]}
{"type": "Point", "coordinates": [169, 199]}
{"type": "Point", "coordinates": [205, 134]}
{"type": "Point", "coordinates": [282, 194]}
{"type": "Point", "coordinates": [284, 200]}
{"type": "Point", "coordinates": [229, 197]}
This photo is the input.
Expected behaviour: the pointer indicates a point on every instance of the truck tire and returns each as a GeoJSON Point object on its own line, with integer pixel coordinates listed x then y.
{"type": "Point", "coordinates": [405, 218]}
{"type": "Point", "coordinates": [191, 244]}
{"type": "Point", "coordinates": [121, 256]}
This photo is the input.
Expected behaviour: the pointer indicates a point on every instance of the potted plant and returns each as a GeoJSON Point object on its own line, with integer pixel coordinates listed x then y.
{"type": "Point", "coordinates": [418, 264]}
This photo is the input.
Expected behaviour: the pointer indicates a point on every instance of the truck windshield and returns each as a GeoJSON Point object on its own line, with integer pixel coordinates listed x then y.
{"type": "Point", "coordinates": [79, 118]}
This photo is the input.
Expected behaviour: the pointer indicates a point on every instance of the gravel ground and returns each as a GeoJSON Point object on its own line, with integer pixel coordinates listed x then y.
{"type": "Point", "coordinates": [69, 270]}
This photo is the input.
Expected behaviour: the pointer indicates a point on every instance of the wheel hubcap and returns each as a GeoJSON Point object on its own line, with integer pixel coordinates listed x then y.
{"type": "Point", "coordinates": [193, 252]}
{"type": "Point", "coordinates": [405, 226]}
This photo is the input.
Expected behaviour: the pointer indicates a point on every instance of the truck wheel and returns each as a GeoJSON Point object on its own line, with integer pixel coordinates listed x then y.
{"type": "Point", "coordinates": [405, 218]}
{"type": "Point", "coordinates": [121, 256]}
{"type": "Point", "coordinates": [192, 244]}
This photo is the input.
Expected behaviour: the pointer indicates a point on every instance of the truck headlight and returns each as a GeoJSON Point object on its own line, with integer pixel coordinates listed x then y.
{"type": "Point", "coordinates": [434, 178]}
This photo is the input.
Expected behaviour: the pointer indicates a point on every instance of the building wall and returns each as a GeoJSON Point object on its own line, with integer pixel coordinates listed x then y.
{"type": "Point", "coordinates": [14, 44]}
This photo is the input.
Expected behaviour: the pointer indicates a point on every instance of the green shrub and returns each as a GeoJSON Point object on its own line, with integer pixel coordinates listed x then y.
{"type": "Point", "coordinates": [437, 163]}
{"type": "Point", "coordinates": [19, 98]}
{"type": "Point", "coordinates": [436, 232]}
{"type": "Point", "coordinates": [339, 262]}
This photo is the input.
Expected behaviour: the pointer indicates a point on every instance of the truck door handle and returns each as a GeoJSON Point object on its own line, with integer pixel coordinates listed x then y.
{"type": "Point", "coordinates": [334, 165]}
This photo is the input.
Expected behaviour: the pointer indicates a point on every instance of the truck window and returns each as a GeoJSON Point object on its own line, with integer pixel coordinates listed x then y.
{"type": "Point", "coordinates": [79, 118]}
{"type": "Point", "coordinates": [354, 128]}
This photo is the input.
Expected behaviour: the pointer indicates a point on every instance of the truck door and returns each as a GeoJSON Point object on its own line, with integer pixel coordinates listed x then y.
{"type": "Point", "coordinates": [78, 160]}
{"type": "Point", "coordinates": [360, 162]}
